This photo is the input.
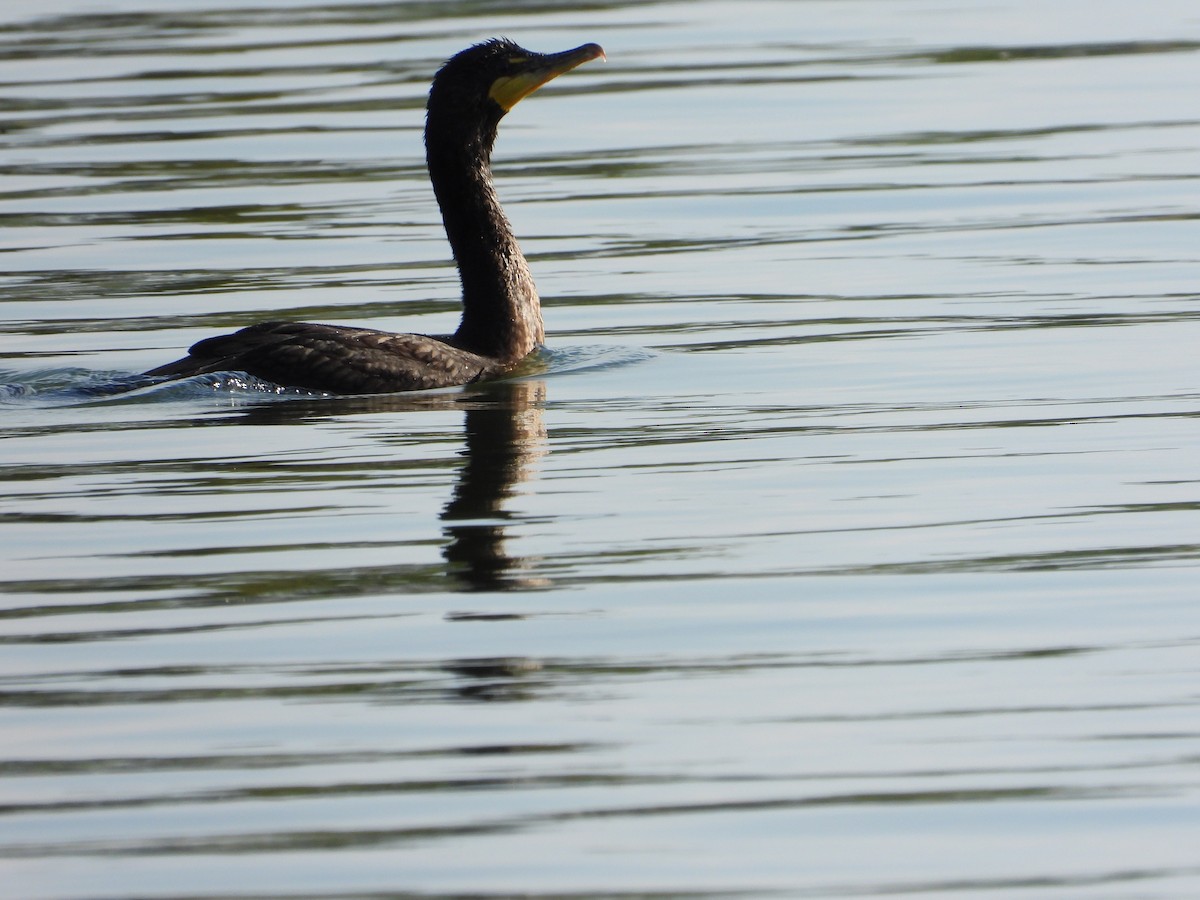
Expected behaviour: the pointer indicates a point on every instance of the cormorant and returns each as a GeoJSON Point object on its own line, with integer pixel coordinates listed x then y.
{"type": "Point", "coordinates": [502, 317]}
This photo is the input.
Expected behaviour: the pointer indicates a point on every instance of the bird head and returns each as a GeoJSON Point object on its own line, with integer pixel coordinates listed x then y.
{"type": "Point", "coordinates": [485, 81]}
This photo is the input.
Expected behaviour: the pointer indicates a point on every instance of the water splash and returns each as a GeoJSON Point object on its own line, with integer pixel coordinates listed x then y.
{"type": "Point", "coordinates": [76, 387]}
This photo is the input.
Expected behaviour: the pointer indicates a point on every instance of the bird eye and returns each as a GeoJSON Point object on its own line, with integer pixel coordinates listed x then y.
{"type": "Point", "coordinates": [518, 60]}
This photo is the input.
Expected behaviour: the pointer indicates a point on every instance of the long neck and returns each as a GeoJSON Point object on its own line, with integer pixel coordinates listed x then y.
{"type": "Point", "coordinates": [502, 315]}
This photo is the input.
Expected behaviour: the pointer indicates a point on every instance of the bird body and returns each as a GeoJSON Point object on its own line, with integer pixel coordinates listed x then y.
{"type": "Point", "coordinates": [337, 358]}
{"type": "Point", "coordinates": [502, 319]}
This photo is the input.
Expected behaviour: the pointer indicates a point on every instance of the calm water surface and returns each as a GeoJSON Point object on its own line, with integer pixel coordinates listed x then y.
{"type": "Point", "coordinates": [843, 543]}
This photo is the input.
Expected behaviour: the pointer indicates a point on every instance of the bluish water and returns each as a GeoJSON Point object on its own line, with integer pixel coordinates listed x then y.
{"type": "Point", "coordinates": [842, 542]}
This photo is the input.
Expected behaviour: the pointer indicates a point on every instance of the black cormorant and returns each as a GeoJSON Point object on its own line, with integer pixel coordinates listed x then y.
{"type": "Point", "coordinates": [502, 317]}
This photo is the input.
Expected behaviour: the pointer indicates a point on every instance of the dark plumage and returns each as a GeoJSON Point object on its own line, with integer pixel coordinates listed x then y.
{"type": "Point", "coordinates": [502, 318]}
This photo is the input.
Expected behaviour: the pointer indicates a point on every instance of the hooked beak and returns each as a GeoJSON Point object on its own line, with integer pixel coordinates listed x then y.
{"type": "Point", "coordinates": [509, 90]}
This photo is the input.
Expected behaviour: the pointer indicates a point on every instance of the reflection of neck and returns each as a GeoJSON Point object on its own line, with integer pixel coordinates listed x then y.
{"type": "Point", "coordinates": [502, 316]}
{"type": "Point", "coordinates": [505, 435]}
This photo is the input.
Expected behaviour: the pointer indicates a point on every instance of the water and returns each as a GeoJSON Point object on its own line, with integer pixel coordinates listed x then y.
{"type": "Point", "coordinates": [843, 543]}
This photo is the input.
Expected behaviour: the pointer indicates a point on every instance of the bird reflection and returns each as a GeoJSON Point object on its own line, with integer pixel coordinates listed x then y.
{"type": "Point", "coordinates": [505, 436]}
